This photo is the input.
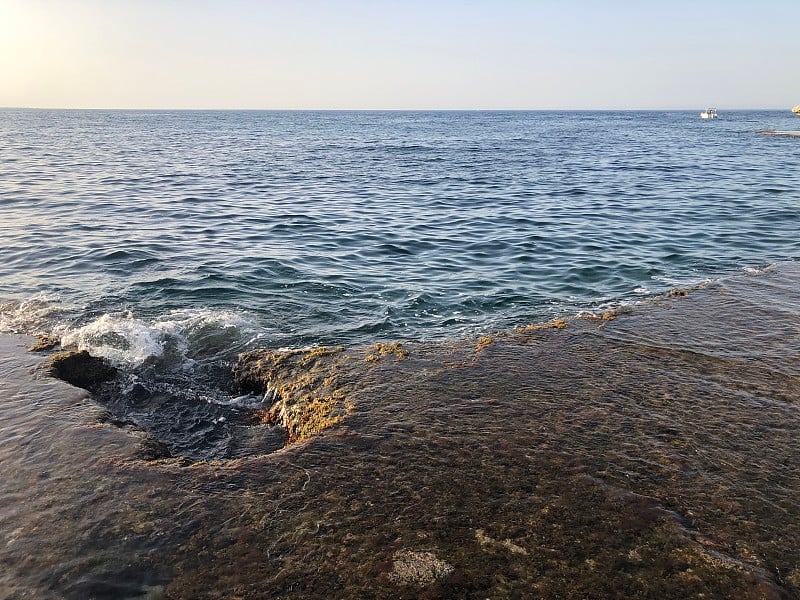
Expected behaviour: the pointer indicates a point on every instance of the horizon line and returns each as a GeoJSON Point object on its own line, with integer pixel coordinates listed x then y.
{"type": "Point", "coordinates": [174, 109]}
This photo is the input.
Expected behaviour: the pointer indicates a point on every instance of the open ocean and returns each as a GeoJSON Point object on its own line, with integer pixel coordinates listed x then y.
{"type": "Point", "coordinates": [169, 242]}
{"type": "Point", "coordinates": [132, 232]}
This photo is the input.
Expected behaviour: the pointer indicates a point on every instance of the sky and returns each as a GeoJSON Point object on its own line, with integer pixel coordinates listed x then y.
{"type": "Point", "coordinates": [405, 54]}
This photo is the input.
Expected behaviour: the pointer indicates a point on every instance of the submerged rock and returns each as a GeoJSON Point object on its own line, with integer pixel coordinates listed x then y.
{"type": "Point", "coordinates": [152, 448]}
{"type": "Point", "coordinates": [44, 343]}
{"type": "Point", "coordinates": [418, 568]}
{"type": "Point", "coordinates": [81, 369]}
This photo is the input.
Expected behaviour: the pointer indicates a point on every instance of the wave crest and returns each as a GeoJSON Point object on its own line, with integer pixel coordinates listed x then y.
{"type": "Point", "coordinates": [174, 340]}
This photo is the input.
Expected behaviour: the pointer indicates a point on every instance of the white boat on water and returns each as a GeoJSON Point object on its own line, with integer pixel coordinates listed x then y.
{"type": "Point", "coordinates": [709, 113]}
{"type": "Point", "coordinates": [796, 110]}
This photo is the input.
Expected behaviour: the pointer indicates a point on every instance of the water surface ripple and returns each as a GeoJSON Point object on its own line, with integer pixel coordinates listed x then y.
{"type": "Point", "coordinates": [342, 227]}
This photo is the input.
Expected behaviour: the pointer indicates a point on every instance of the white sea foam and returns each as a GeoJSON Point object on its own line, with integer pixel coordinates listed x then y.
{"type": "Point", "coordinates": [172, 338]}
{"type": "Point", "coordinates": [758, 270]}
{"type": "Point", "coordinates": [175, 339]}
{"type": "Point", "coordinates": [123, 340]}
{"type": "Point", "coordinates": [32, 316]}
{"type": "Point", "coordinates": [244, 401]}
{"type": "Point", "coordinates": [680, 281]}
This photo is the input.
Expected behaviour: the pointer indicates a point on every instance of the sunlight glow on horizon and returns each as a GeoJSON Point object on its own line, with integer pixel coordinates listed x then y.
{"type": "Point", "coordinates": [398, 55]}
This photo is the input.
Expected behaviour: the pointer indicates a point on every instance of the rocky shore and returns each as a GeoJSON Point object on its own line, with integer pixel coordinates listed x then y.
{"type": "Point", "coordinates": [644, 452]}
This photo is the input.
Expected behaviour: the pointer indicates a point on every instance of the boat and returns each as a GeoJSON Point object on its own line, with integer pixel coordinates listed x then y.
{"type": "Point", "coordinates": [796, 110]}
{"type": "Point", "coordinates": [709, 113]}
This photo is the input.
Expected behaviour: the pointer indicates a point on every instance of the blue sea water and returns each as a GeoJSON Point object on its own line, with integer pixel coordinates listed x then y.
{"type": "Point", "coordinates": [194, 235]}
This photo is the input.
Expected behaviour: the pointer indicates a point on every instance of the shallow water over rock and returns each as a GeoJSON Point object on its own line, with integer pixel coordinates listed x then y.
{"type": "Point", "coordinates": [649, 453]}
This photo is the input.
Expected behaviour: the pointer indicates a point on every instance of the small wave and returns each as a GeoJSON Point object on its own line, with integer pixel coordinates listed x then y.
{"type": "Point", "coordinates": [176, 339]}
{"type": "Point", "coordinates": [32, 316]}
{"type": "Point", "coordinates": [123, 340]}
{"type": "Point", "coordinates": [680, 281]}
{"type": "Point", "coordinates": [758, 270]}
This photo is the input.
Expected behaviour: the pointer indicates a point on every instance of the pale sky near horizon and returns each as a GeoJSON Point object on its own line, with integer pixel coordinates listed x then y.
{"type": "Point", "coordinates": [405, 54]}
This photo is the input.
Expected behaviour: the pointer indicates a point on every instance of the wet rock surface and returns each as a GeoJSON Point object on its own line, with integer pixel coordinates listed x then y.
{"type": "Point", "coordinates": [307, 391]}
{"type": "Point", "coordinates": [197, 421]}
{"type": "Point", "coordinates": [81, 369]}
{"type": "Point", "coordinates": [650, 453]}
{"type": "Point", "coordinates": [44, 343]}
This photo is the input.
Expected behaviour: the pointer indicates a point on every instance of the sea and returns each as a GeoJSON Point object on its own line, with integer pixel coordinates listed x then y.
{"type": "Point", "coordinates": [181, 235]}
{"type": "Point", "coordinates": [170, 242]}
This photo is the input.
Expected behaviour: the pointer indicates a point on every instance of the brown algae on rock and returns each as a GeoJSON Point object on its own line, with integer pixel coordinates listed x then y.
{"type": "Point", "coordinates": [678, 293]}
{"type": "Point", "coordinates": [44, 342]}
{"type": "Point", "coordinates": [683, 292]}
{"type": "Point", "coordinates": [484, 342]}
{"type": "Point", "coordinates": [379, 351]}
{"type": "Point", "coordinates": [606, 315]}
{"type": "Point", "coordinates": [81, 369]}
{"type": "Point", "coordinates": [309, 389]}
{"type": "Point", "coordinates": [554, 324]}
{"type": "Point", "coordinates": [306, 387]}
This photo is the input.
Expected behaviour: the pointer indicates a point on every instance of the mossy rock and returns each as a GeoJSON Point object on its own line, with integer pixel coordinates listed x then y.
{"type": "Point", "coordinates": [44, 343]}
{"type": "Point", "coordinates": [81, 369]}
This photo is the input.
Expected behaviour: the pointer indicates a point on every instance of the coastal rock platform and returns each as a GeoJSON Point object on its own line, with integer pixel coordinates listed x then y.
{"type": "Point", "coordinates": [648, 451]}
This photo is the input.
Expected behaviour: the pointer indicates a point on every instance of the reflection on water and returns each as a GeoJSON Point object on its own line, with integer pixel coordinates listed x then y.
{"type": "Point", "coordinates": [649, 455]}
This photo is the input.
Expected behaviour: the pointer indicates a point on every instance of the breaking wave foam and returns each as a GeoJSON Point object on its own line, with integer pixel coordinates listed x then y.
{"type": "Point", "coordinates": [175, 339]}
{"type": "Point", "coordinates": [32, 316]}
